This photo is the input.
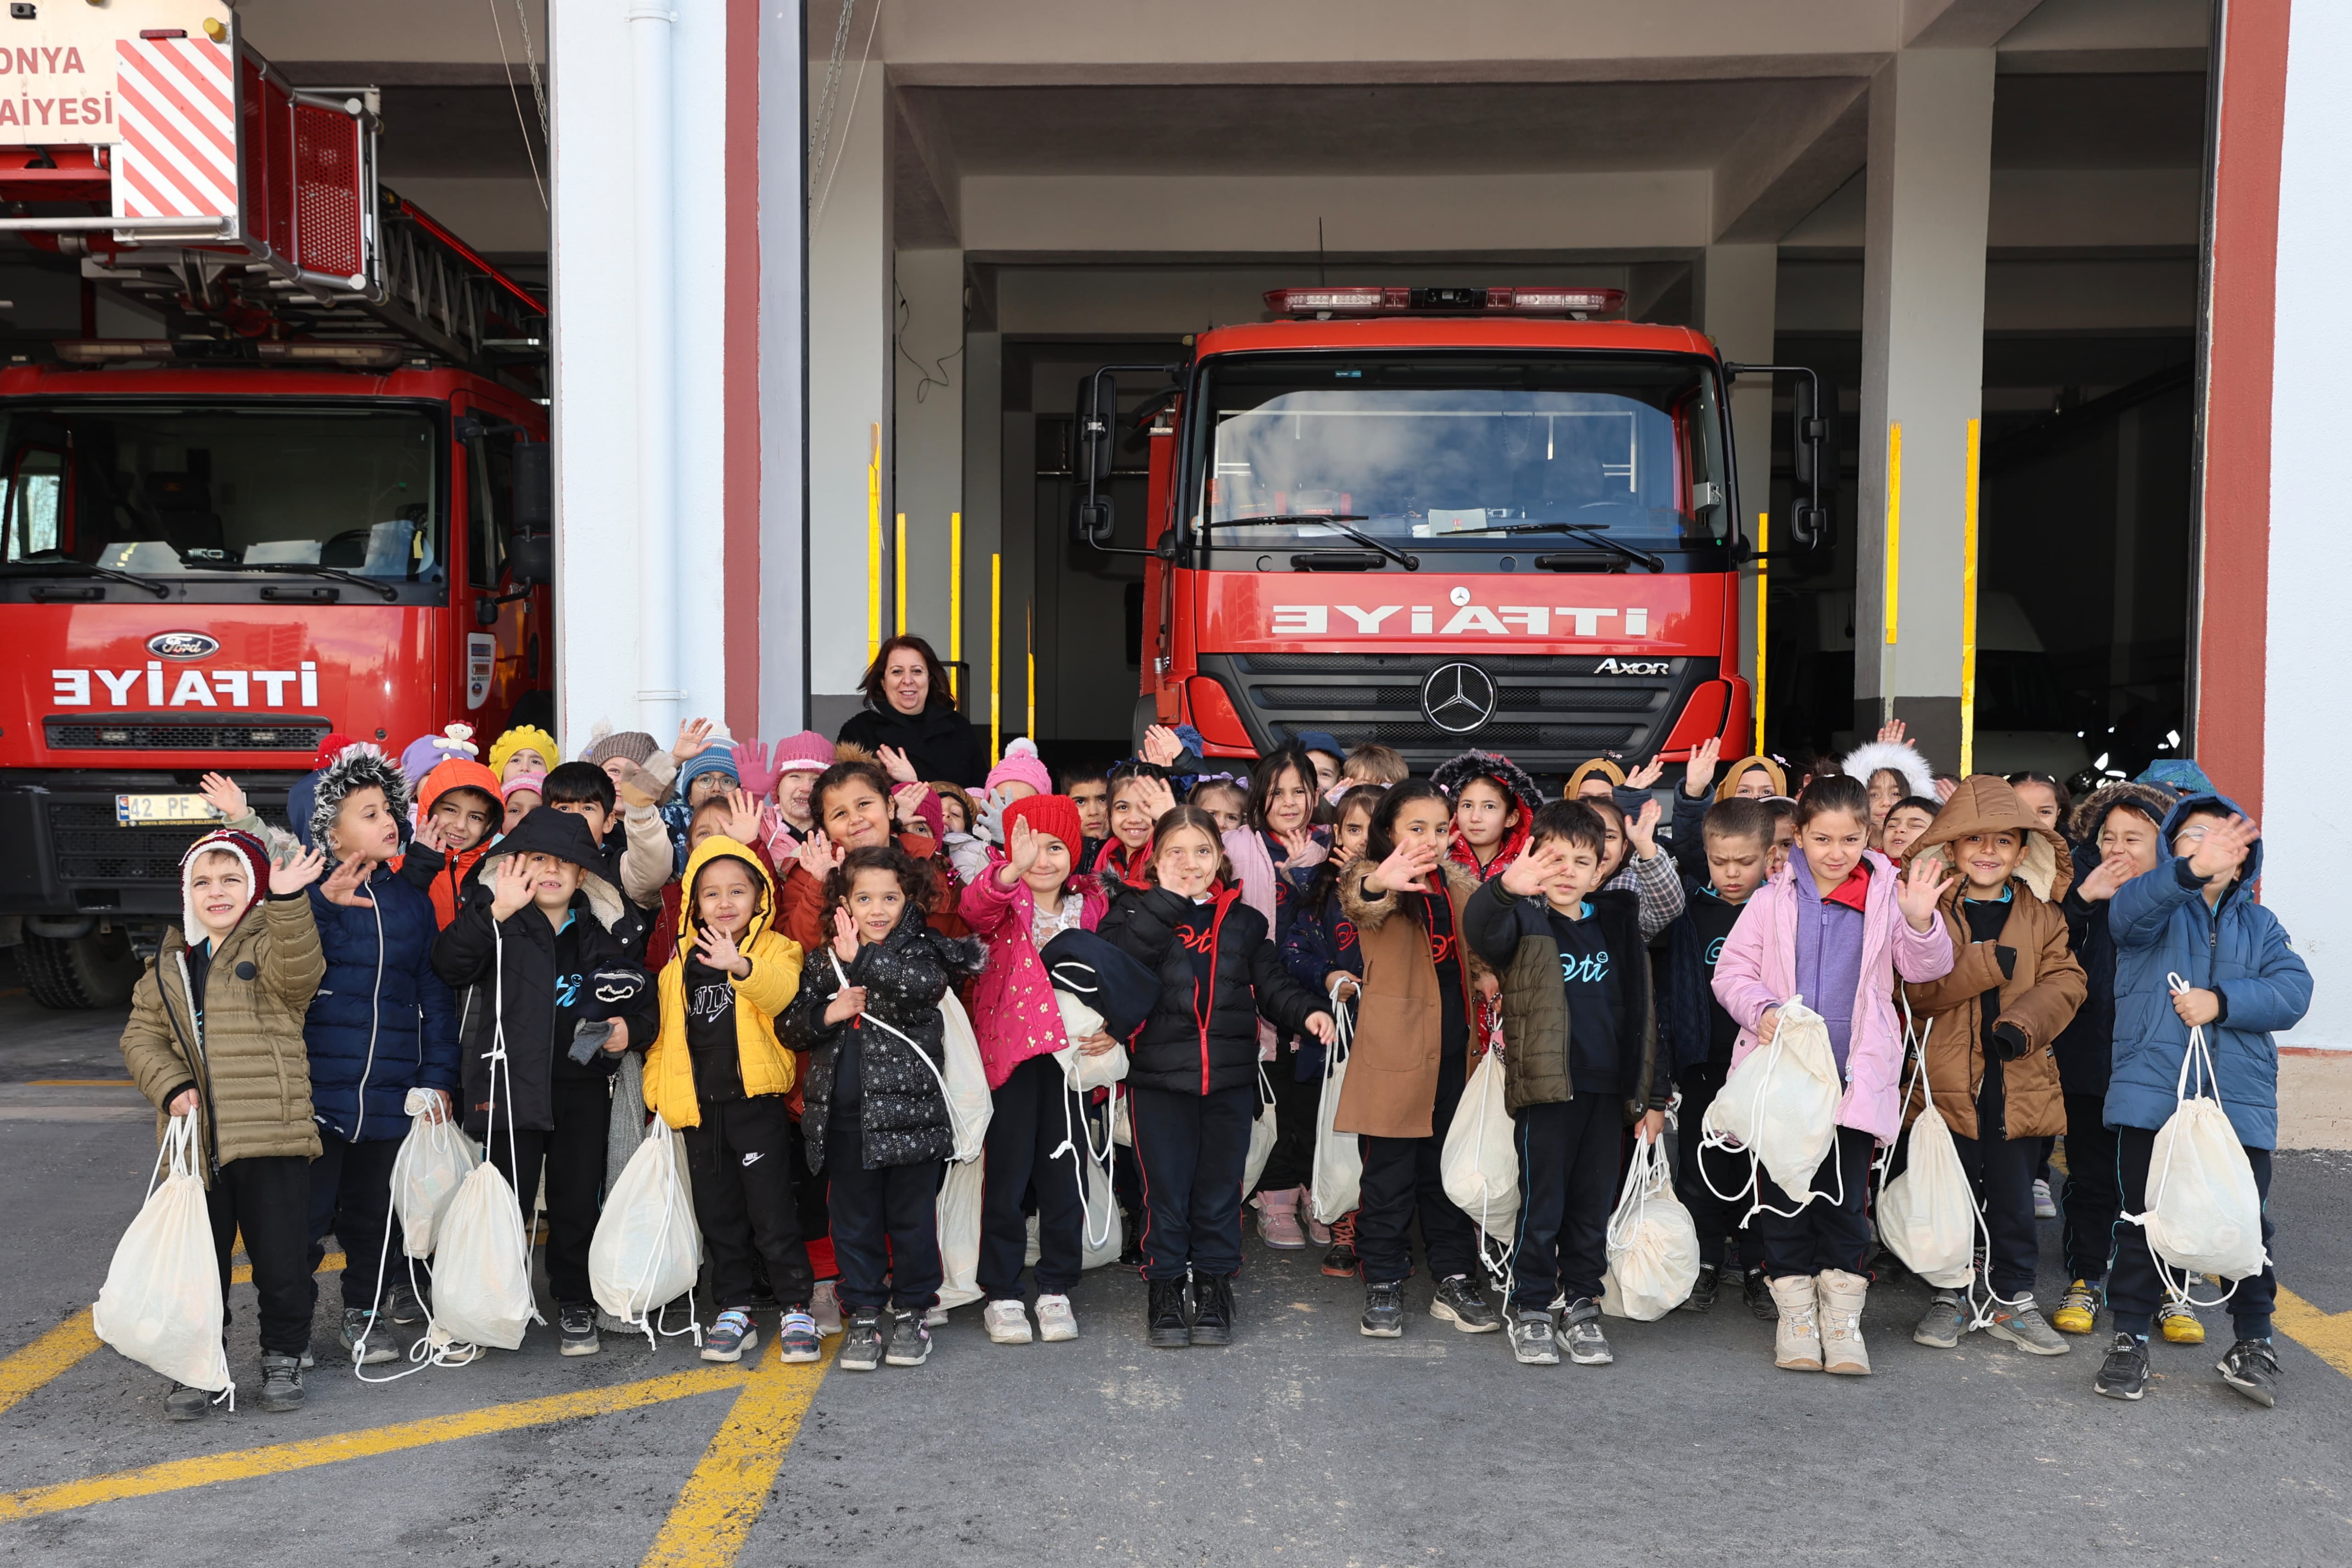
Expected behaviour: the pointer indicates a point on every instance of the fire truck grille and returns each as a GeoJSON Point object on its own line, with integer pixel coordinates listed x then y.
{"type": "Point", "coordinates": [90, 848]}
{"type": "Point", "coordinates": [149, 732]}
{"type": "Point", "coordinates": [1550, 711]}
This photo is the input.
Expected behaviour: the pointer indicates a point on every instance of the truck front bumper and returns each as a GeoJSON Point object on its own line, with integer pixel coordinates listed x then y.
{"type": "Point", "coordinates": [63, 854]}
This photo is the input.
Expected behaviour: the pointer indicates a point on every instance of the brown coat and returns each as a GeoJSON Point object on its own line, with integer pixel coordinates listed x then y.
{"type": "Point", "coordinates": [249, 1064]}
{"type": "Point", "coordinates": [2038, 996]}
{"type": "Point", "coordinates": [1391, 1087]}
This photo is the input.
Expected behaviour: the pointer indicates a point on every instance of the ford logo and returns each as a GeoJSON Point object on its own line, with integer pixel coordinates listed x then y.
{"type": "Point", "coordinates": [182, 644]}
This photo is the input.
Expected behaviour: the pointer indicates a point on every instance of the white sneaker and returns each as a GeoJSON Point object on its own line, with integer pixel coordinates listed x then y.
{"type": "Point", "coordinates": [934, 1315]}
{"type": "Point", "coordinates": [825, 1306]}
{"type": "Point", "coordinates": [1007, 1323]}
{"type": "Point", "coordinates": [1055, 1321]}
{"type": "Point", "coordinates": [2044, 1206]}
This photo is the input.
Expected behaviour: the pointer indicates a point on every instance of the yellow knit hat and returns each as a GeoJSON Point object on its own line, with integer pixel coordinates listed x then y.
{"type": "Point", "coordinates": [523, 737]}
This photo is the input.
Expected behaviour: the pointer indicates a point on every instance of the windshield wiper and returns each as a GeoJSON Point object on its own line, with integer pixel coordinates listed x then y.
{"type": "Point", "coordinates": [391, 595]}
{"type": "Point", "coordinates": [1586, 530]}
{"type": "Point", "coordinates": [84, 569]}
{"type": "Point", "coordinates": [1339, 521]}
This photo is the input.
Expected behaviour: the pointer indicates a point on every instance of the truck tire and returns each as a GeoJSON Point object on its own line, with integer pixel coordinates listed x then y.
{"type": "Point", "coordinates": [93, 971]}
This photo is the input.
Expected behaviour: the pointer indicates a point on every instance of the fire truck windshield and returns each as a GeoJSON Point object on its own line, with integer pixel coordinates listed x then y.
{"type": "Point", "coordinates": [164, 489]}
{"type": "Point", "coordinates": [1445, 451]}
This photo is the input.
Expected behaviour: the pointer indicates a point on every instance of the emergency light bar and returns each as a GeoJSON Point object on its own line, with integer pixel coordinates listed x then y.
{"type": "Point", "coordinates": [1367, 300]}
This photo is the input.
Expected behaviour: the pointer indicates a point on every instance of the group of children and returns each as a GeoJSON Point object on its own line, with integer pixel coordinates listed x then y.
{"type": "Point", "coordinates": [770, 949]}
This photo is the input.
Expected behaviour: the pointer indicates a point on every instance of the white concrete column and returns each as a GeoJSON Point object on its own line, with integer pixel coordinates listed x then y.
{"type": "Point", "coordinates": [616, 368]}
{"type": "Point", "coordinates": [1928, 186]}
{"type": "Point", "coordinates": [2306, 751]}
{"type": "Point", "coordinates": [850, 303]}
{"type": "Point", "coordinates": [927, 448]}
{"type": "Point", "coordinates": [1737, 287]}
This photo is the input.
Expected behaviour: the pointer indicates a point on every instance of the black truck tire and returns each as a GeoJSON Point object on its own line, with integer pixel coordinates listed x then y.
{"type": "Point", "coordinates": [93, 971]}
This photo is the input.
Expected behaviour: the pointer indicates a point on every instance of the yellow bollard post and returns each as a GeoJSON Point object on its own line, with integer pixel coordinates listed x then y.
{"type": "Point", "coordinates": [1029, 649]}
{"type": "Point", "coordinates": [995, 650]}
{"type": "Point", "coordinates": [898, 564]}
{"type": "Point", "coordinates": [955, 602]}
{"type": "Point", "coordinates": [1763, 605]}
{"type": "Point", "coordinates": [873, 547]}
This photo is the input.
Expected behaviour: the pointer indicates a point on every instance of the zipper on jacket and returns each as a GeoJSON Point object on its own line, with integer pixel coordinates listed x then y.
{"type": "Point", "coordinates": [204, 1063]}
{"type": "Point", "coordinates": [375, 1015]}
{"type": "Point", "coordinates": [1217, 934]}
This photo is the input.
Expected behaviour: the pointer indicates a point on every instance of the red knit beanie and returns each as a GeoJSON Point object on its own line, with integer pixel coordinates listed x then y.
{"type": "Point", "coordinates": [1054, 814]}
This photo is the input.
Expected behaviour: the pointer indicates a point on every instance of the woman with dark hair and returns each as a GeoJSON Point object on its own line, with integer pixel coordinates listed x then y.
{"type": "Point", "coordinates": [911, 718]}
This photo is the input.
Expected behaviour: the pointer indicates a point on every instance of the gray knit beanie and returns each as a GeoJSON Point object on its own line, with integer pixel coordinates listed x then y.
{"type": "Point", "coordinates": [635, 745]}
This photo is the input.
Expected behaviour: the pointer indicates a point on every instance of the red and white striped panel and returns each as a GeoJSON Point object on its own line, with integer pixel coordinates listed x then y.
{"type": "Point", "coordinates": [177, 157]}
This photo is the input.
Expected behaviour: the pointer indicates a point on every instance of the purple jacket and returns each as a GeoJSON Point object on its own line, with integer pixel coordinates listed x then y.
{"type": "Point", "coordinates": [1758, 970]}
{"type": "Point", "coordinates": [1012, 1008]}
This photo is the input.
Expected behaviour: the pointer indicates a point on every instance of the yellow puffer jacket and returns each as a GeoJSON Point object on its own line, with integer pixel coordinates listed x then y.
{"type": "Point", "coordinates": [761, 998]}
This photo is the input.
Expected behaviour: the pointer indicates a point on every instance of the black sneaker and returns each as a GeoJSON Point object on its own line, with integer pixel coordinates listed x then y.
{"type": "Point", "coordinates": [281, 1384]}
{"type": "Point", "coordinates": [1457, 1301]}
{"type": "Point", "coordinates": [861, 1341]}
{"type": "Point", "coordinates": [185, 1404]}
{"type": "Point", "coordinates": [2251, 1368]}
{"type": "Point", "coordinates": [368, 1341]}
{"type": "Point", "coordinates": [1759, 1293]}
{"type": "Point", "coordinates": [1164, 1325]}
{"type": "Point", "coordinates": [2124, 1374]}
{"type": "Point", "coordinates": [1130, 1252]}
{"type": "Point", "coordinates": [1341, 1262]}
{"type": "Point", "coordinates": [910, 1338]}
{"type": "Point", "coordinates": [1383, 1311]}
{"type": "Point", "coordinates": [1703, 1289]}
{"type": "Point", "coordinates": [402, 1306]}
{"type": "Point", "coordinates": [1212, 1309]}
{"type": "Point", "coordinates": [1533, 1344]}
{"type": "Point", "coordinates": [1580, 1335]}
{"type": "Point", "coordinates": [576, 1322]}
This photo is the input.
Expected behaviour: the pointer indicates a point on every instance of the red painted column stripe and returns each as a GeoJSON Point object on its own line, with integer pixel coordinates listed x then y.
{"type": "Point", "coordinates": [2233, 629]}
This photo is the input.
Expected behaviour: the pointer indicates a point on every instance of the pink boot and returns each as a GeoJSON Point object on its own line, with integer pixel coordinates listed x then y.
{"type": "Point", "coordinates": [1277, 1219]}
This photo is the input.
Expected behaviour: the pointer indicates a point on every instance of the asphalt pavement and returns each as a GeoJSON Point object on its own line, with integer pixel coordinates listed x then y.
{"type": "Point", "coordinates": [1302, 1442]}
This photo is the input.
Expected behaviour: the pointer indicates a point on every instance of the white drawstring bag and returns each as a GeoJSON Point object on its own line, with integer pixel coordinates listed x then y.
{"type": "Point", "coordinates": [647, 1250]}
{"type": "Point", "coordinates": [1079, 1070]}
{"type": "Point", "coordinates": [1480, 1161]}
{"type": "Point", "coordinates": [1103, 1240]}
{"type": "Point", "coordinates": [1653, 1243]}
{"type": "Point", "coordinates": [2204, 1214]}
{"type": "Point", "coordinates": [1927, 1216]}
{"type": "Point", "coordinates": [1339, 1168]}
{"type": "Point", "coordinates": [160, 1304]}
{"type": "Point", "coordinates": [1781, 1103]}
{"type": "Point", "coordinates": [965, 1081]}
{"type": "Point", "coordinates": [1261, 1131]}
{"type": "Point", "coordinates": [434, 1160]}
{"type": "Point", "coordinates": [482, 1268]}
{"type": "Point", "coordinates": [958, 1223]}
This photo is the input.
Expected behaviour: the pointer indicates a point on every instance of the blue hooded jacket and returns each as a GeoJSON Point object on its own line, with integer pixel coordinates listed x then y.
{"type": "Point", "coordinates": [2162, 926]}
{"type": "Point", "coordinates": [382, 1021]}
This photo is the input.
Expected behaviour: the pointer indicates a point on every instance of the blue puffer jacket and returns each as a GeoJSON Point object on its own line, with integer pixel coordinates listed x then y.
{"type": "Point", "coordinates": [2161, 926]}
{"type": "Point", "coordinates": [382, 1023]}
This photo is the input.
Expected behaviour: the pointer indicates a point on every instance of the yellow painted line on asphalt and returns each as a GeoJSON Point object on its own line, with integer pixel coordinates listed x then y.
{"type": "Point", "coordinates": [281, 1458]}
{"type": "Point", "coordinates": [46, 1358]}
{"type": "Point", "coordinates": [62, 1348]}
{"type": "Point", "coordinates": [723, 1497]}
{"type": "Point", "coordinates": [2327, 1335]}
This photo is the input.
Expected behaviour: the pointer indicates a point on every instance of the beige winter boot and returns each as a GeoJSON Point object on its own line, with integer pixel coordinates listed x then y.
{"type": "Point", "coordinates": [1842, 1296]}
{"type": "Point", "coordinates": [1796, 1338]}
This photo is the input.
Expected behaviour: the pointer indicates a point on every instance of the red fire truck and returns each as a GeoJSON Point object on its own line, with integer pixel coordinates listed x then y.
{"type": "Point", "coordinates": [1443, 519]}
{"type": "Point", "coordinates": [314, 501]}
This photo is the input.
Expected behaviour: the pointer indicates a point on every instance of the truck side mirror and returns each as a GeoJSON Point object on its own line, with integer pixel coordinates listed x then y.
{"type": "Point", "coordinates": [1097, 432]}
{"type": "Point", "coordinates": [534, 487]}
{"type": "Point", "coordinates": [1809, 524]}
{"type": "Point", "coordinates": [530, 558]}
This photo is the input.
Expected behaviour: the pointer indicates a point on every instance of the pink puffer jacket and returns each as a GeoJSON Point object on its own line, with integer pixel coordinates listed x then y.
{"type": "Point", "coordinates": [1758, 970]}
{"type": "Point", "coordinates": [1013, 1006]}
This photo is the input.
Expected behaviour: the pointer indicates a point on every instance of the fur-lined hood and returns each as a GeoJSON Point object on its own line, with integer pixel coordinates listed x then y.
{"type": "Point", "coordinates": [1985, 804]}
{"type": "Point", "coordinates": [355, 767]}
{"type": "Point", "coordinates": [2090, 813]}
{"type": "Point", "coordinates": [1454, 772]}
{"type": "Point", "coordinates": [1893, 756]}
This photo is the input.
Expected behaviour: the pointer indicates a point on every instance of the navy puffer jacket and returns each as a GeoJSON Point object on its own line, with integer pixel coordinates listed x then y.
{"type": "Point", "coordinates": [2162, 926]}
{"type": "Point", "coordinates": [382, 1023]}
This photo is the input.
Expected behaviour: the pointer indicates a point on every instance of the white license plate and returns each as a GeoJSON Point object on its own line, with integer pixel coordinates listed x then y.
{"type": "Point", "coordinates": [149, 810]}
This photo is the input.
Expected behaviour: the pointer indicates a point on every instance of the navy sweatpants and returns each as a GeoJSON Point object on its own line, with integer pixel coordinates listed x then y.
{"type": "Point", "coordinates": [1033, 1115]}
{"type": "Point", "coordinates": [1568, 1186]}
{"type": "Point", "coordinates": [2135, 1291]}
{"type": "Point", "coordinates": [1192, 1150]}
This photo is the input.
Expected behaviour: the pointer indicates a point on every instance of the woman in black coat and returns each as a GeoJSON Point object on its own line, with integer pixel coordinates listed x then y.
{"type": "Point", "coordinates": [1193, 1079]}
{"type": "Point", "coordinates": [909, 709]}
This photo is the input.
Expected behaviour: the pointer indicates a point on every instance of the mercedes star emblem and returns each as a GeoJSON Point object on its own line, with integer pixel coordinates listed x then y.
{"type": "Point", "coordinates": [1458, 698]}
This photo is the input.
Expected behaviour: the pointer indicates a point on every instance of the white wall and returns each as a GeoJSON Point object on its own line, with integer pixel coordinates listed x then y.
{"type": "Point", "coordinates": [2306, 751]}
{"type": "Point", "coordinates": [932, 378]}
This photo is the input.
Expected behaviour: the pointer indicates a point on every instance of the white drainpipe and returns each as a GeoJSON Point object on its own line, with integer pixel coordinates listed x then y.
{"type": "Point", "coordinates": [654, 131]}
